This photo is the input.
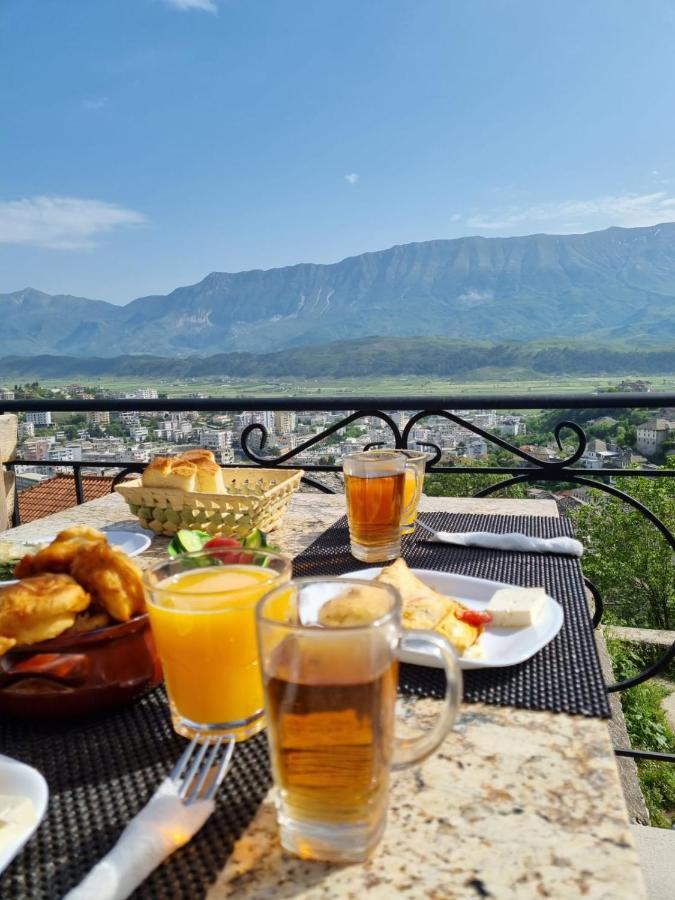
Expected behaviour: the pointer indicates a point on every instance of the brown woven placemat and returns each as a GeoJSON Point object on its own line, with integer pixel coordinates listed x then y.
{"type": "Point", "coordinates": [564, 676]}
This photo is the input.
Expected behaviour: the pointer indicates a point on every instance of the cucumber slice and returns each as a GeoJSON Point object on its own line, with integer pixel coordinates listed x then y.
{"type": "Point", "coordinates": [255, 539]}
{"type": "Point", "coordinates": [191, 540]}
{"type": "Point", "coordinates": [187, 541]}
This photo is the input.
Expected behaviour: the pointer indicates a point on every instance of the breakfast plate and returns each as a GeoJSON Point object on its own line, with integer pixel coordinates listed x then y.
{"type": "Point", "coordinates": [500, 646]}
{"type": "Point", "coordinates": [130, 542]}
{"type": "Point", "coordinates": [18, 779]}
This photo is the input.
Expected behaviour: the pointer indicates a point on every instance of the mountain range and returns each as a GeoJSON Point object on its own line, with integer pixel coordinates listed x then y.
{"type": "Point", "coordinates": [616, 285]}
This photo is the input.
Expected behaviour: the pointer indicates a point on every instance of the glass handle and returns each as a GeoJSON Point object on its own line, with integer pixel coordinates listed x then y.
{"type": "Point", "coordinates": [408, 751]}
{"type": "Point", "coordinates": [408, 511]}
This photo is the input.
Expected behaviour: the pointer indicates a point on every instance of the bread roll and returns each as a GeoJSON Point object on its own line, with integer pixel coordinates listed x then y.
{"type": "Point", "coordinates": [183, 475]}
{"type": "Point", "coordinates": [197, 456]}
{"type": "Point", "coordinates": [209, 477]}
{"type": "Point", "coordinates": [156, 473]}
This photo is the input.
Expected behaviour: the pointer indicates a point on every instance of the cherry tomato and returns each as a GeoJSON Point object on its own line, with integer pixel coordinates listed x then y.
{"type": "Point", "coordinates": [475, 617]}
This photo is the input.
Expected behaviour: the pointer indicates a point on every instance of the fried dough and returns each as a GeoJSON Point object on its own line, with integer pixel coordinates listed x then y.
{"type": "Point", "coordinates": [59, 555]}
{"type": "Point", "coordinates": [357, 606]}
{"type": "Point", "coordinates": [112, 579]}
{"type": "Point", "coordinates": [39, 608]}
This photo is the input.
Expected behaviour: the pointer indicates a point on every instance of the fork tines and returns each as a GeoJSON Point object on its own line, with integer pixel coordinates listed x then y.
{"type": "Point", "coordinates": [204, 772]}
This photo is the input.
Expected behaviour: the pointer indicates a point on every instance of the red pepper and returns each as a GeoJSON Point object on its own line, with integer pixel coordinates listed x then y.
{"type": "Point", "coordinates": [475, 617]}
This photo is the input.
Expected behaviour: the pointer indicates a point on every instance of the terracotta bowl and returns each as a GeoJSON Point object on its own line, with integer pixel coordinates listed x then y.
{"type": "Point", "coordinates": [81, 673]}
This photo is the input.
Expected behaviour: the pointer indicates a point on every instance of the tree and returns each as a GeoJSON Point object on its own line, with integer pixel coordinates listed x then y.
{"type": "Point", "coordinates": [626, 557]}
{"type": "Point", "coordinates": [465, 484]}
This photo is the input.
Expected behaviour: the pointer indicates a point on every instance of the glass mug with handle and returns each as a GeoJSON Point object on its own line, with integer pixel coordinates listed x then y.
{"type": "Point", "coordinates": [375, 490]}
{"type": "Point", "coordinates": [329, 653]}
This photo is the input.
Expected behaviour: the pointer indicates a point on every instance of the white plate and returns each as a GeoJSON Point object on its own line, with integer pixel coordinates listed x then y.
{"type": "Point", "coordinates": [18, 778]}
{"type": "Point", "coordinates": [502, 646]}
{"type": "Point", "coordinates": [131, 542]}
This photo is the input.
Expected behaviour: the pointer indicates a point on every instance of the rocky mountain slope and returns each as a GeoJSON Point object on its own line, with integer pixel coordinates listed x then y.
{"type": "Point", "coordinates": [612, 285]}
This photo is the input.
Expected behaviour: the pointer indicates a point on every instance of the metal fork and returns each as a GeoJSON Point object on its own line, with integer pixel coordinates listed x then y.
{"type": "Point", "coordinates": [197, 777]}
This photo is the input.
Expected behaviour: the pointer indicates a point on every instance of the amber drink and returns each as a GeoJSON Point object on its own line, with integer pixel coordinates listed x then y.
{"type": "Point", "coordinates": [374, 488]}
{"type": "Point", "coordinates": [330, 694]}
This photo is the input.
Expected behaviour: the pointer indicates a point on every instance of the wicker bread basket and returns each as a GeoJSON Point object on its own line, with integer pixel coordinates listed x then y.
{"type": "Point", "coordinates": [255, 498]}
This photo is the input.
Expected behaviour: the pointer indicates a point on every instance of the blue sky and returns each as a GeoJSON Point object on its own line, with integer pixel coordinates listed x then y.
{"type": "Point", "coordinates": [145, 143]}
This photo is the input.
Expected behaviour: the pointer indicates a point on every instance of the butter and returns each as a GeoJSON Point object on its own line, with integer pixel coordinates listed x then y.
{"type": "Point", "coordinates": [516, 607]}
{"type": "Point", "coordinates": [17, 816]}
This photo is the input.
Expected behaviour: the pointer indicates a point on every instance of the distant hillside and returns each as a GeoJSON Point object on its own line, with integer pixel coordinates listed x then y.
{"type": "Point", "coordinates": [367, 356]}
{"type": "Point", "coordinates": [613, 285]}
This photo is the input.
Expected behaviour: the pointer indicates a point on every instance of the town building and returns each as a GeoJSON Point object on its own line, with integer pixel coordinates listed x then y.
{"type": "Point", "coordinates": [651, 435]}
{"type": "Point", "coordinates": [42, 418]}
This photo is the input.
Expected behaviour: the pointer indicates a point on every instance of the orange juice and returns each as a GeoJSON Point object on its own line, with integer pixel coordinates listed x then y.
{"type": "Point", "coordinates": [204, 627]}
{"type": "Point", "coordinates": [412, 490]}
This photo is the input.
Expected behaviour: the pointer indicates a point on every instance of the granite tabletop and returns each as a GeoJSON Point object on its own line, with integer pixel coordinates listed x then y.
{"type": "Point", "coordinates": [515, 804]}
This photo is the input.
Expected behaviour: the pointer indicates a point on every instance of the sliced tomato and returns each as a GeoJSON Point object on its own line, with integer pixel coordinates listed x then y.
{"type": "Point", "coordinates": [475, 617]}
{"type": "Point", "coordinates": [220, 540]}
{"type": "Point", "coordinates": [228, 544]}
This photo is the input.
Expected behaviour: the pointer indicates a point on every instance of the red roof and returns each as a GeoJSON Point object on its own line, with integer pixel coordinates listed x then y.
{"type": "Point", "coordinates": [58, 494]}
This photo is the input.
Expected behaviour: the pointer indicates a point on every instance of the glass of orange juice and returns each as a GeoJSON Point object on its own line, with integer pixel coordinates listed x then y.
{"type": "Point", "coordinates": [412, 489]}
{"type": "Point", "coordinates": [202, 615]}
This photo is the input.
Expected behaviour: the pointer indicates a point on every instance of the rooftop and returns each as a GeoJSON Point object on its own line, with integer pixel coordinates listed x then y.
{"type": "Point", "coordinates": [58, 494]}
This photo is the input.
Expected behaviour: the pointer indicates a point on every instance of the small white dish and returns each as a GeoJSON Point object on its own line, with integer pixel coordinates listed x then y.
{"type": "Point", "coordinates": [24, 781]}
{"type": "Point", "coordinates": [131, 542]}
{"type": "Point", "coordinates": [501, 646]}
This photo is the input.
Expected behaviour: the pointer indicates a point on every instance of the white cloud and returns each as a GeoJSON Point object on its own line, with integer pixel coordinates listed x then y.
{"type": "Point", "coordinates": [94, 103]}
{"type": "Point", "coordinates": [352, 177]}
{"type": "Point", "coordinates": [201, 5]}
{"type": "Point", "coordinates": [628, 210]}
{"type": "Point", "coordinates": [62, 222]}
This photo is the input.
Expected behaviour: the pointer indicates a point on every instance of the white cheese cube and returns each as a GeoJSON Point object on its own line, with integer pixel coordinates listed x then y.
{"type": "Point", "coordinates": [17, 814]}
{"type": "Point", "coordinates": [516, 607]}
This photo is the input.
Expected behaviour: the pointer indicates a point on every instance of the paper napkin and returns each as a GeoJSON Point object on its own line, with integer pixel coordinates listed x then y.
{"type": "Point", "coordinates": [161, 827]}
{"type": "Point", "coordinates": [521, 542]}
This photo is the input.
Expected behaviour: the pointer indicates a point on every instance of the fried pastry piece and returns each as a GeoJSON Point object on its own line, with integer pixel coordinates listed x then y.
{"type": "Point", "coordinates": [89, 621]}
{"type": "Point", "coordinates": [112, 579]}
{"type": "Point", "coordinates": [39, 608]}
{"type": "Point", "coordinates": [59, 555]}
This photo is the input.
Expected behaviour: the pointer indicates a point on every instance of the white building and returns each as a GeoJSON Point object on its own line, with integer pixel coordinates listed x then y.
{"type": "Point", "coordinates": [143, 394]}
{"type": "Point", "coordinates": [42, 419]}
{"type": "Point", "coordinates": [6, 394]}
{"type": "Point", "coordinates": [264, 418]}
{"type": "Point", "coordinates": [651, 434]}
{"type": "Point", "coordinates": [71, 453]}
{"type": "Point", "coordinates": [215, 440]}
{"type": "Point", "coordinates": [26, 430]}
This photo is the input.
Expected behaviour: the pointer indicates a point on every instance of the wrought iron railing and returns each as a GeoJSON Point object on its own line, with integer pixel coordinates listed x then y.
{"type": "Point", "coordinates": [530, 470]}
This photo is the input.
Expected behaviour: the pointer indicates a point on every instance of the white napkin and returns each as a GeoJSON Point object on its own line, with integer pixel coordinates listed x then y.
{"type": "Point", "coordinates": [161, 827]}
{"type": "Point", "coordinates": [513, 541]}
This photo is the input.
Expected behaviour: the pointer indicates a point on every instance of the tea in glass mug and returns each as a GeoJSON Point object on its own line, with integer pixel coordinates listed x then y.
{"type": "Point", "coordinates": [330, 692]}
{"type": "Point", "coordinates": [374, 488]}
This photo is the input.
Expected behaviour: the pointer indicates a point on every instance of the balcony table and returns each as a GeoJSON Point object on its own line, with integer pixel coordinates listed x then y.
{"type": "Point", "coordinates": [515, 804]}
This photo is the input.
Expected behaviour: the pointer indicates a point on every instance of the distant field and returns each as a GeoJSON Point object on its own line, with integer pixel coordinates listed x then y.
{"type": "Point", "coordinates": [363, 386]}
